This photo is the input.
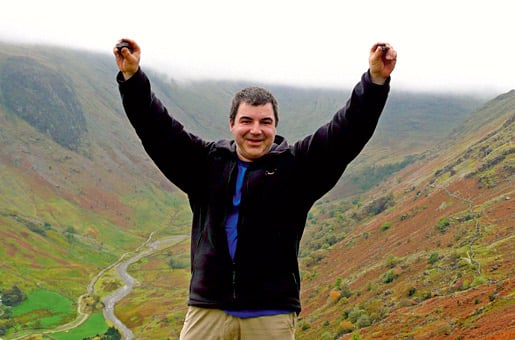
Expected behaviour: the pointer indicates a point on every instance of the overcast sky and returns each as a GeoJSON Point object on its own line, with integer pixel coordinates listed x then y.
{"type": "Point", "coordinates": [443, 45]}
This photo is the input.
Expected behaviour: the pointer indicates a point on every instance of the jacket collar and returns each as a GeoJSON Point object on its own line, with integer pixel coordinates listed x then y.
{"type": "Point", "coordinates": [225, 146]}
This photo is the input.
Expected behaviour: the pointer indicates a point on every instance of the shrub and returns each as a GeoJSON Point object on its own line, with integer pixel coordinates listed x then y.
{"type": "Point", "coordinates": [334, 295]}
{"type": "Point", "coordinates": [389, 276]}
{"type": "Point", "coordinates": [386, 226]}
{"type": "Point", "coordinates": [442, 225]}
{"type": "Point", "coordinates": [433, 258]}
{"type": "Point", "coordinates": [304, 325]}
{"type": "Point", "coordinates": [478, 280]}
{"type": "Point", "coordinates": [176, 262]}
{"type": "Point", "coordinates": [379, 205]}
{"type": "Point", "coordinates": [35, 228]}
{"type": "Point", "coordinates": [345, 327]}
{"type": "Point", "coordinates": [345, 291]}
{"type": "Point", "coordinates": [363, 321]}
{"type": "Point", "coordinates": [412, 291]}
{"type": "Point", "coordinates": [355, 314]}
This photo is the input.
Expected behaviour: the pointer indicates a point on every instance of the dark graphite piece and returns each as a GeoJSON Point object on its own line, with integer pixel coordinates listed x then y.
{"type": "Point", "coordinates": [123, 44]}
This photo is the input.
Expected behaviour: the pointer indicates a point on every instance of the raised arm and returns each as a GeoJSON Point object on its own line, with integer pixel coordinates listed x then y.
{"type": "Point", "coordinates": [179, 154]}
{"type": "Point", "coordinates": [326, 153]}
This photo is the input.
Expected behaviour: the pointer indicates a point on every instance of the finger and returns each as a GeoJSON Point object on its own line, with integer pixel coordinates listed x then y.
{"type": "Point", "coordinates": [376, 54]}
{"type": "Point", "coordinates": [117, 55]}
{"type": "Point", "coordinates": [391, 55]}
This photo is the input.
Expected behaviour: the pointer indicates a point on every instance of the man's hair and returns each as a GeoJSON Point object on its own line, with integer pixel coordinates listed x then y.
{"type": "Point", "coordinates": [254, 96]}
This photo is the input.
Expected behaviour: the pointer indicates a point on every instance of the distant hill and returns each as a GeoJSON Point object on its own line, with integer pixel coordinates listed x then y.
{"type": "Point", "coordinates": [77, 190]}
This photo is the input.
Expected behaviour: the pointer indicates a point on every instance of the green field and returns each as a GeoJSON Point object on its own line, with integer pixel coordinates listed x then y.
{"type": "Point", "coordinates": [45, 310]}
{"type": "Point", "coordinates": [93, 326]}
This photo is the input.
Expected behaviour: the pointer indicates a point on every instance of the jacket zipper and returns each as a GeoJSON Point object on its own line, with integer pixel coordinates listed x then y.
{"type": "Point", "coordinates": [234, 169]}
{"type": "Point", "coordinates": [233, 282]}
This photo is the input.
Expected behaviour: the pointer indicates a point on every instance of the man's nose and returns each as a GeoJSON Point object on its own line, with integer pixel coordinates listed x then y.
{"type": "Point", "coordinates": [255, 128]}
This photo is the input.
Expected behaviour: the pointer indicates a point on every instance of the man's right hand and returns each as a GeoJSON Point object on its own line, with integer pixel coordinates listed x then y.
{"type": "Point", "coordinates": [128, 58]}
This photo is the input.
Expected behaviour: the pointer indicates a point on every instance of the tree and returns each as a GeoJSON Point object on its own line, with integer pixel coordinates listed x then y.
{"type": "Point", "coordinates": [12, 297]}
{"type": "Point", "coordinates": [112, 334]}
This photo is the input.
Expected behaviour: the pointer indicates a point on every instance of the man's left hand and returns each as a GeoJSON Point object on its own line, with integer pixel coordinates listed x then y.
{"type": "Point", "coordinates": [382, 60]}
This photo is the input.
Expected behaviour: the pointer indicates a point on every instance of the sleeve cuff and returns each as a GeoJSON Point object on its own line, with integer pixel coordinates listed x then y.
{"type": "Point", "coordinates": [368, 78]}
{"type": "Point", "coordinates": [121, 80]}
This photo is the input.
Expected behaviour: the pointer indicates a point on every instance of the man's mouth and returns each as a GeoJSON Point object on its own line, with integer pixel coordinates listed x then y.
{"type": "Point", "coordinates": [254, 141]}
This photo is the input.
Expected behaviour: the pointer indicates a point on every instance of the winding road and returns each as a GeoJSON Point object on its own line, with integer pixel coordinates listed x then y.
{"type": "Point", "coordinates": [147, 248]}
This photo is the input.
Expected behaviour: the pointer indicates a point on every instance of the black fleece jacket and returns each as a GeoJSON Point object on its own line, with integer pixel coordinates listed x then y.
{"type": "Point", "coordinates": [277, 193]}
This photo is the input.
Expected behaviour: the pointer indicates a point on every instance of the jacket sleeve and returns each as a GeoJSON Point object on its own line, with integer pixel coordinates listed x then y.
{"type": "Point", "coordinates": [179, 154]}
{"type": "Point", "coordinates": [324, 155]}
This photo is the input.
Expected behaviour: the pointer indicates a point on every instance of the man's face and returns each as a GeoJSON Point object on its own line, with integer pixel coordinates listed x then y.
{"type": "Point", "coordinates": [253, 130]}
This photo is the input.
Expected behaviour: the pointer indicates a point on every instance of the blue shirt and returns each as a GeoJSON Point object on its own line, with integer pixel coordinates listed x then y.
{"type": "Point", "coordinates": [231, 225]}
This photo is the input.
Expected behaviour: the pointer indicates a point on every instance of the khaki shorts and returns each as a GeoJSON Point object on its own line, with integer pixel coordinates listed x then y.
{"type": "Point", "coordinates": [211, 324]}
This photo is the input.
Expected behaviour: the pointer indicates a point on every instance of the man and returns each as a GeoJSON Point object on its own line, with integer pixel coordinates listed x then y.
{"type": "Point", "coordinates": [250, 196]}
